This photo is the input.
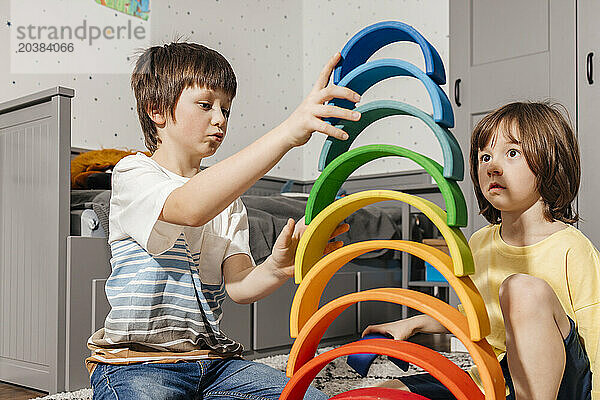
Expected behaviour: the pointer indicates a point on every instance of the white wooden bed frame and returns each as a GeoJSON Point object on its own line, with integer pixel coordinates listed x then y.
{"type": "Point", "coordinates": [44, 273]}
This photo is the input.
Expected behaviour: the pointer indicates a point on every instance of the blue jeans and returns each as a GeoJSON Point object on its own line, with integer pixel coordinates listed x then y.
{"type": "Point", "coordinates": [231, 378]}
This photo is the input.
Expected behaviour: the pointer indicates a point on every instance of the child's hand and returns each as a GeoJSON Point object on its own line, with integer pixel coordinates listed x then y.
{"type": "Point", "coordinates": [306, 119]}
{"type": "Point", "coordinates": [399, 330]}
{"type": "Point", "coordinates": [284, 250]}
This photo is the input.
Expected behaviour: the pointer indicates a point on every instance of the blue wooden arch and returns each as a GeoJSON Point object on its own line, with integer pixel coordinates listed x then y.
{"type": "Point", "coordinates": [370, 39]}
{"type": "Point", "coordinates": [366, 75]}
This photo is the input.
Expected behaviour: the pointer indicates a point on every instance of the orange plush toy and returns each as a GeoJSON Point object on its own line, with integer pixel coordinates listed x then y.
{"type": "Point", "coordinates": [91, 170]}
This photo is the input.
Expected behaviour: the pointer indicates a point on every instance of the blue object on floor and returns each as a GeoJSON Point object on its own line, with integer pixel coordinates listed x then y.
{"type": "Point", "coordinates": [362, 362]}
{"type": "Point", "coordinates": [432, 274]}
{"type": "Point", "coordinates": [370, 39]}
{"type": "Point", "coordinates": [366, 75]}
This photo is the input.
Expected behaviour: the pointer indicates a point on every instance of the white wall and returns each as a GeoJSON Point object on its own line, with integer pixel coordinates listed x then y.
{"type": "Point", "coordinates": [277, 49]}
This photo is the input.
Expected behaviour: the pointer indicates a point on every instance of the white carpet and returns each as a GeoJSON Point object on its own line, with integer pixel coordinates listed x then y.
{"type": "Point", "coordinates": [335, 378]}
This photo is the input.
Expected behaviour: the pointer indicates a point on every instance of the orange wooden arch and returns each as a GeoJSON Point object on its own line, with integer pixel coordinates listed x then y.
{"type": "Point", "coordinates": [449, 374]}
{"type": "Point", "coordinates": [308, 294]}
{"type": "Point", "coordinates": [305, 345]}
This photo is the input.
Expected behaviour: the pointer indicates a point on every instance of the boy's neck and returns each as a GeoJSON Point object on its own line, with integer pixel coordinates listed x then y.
{"type": "Point", "coordinates": [177, 163]}
{"type": "Point", "coordinates": [527, 227]}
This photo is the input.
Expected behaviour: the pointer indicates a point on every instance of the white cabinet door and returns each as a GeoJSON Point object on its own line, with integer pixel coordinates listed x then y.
{"type": "Point", "coordinates": [504, 51]}
{"type": "Point", "coordinates": [588, 83]}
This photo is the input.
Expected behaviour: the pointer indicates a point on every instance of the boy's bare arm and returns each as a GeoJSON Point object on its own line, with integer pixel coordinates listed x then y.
{"type": "Point", "coordinates": [209, 192]}
{"type": "Point", "coordinates": [246, 284]}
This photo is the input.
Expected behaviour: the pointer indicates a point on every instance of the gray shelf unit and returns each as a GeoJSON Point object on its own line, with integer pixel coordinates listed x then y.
{"type": "Point", "coordinates": [427, 284]}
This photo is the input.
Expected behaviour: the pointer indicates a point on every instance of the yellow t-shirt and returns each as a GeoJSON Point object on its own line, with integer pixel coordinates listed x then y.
{"type": "Point", "coordinates": [566, 260]}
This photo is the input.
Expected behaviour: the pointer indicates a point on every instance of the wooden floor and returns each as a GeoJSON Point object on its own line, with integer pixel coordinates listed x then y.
{"type": "Point", "coordinates": [12, 392]}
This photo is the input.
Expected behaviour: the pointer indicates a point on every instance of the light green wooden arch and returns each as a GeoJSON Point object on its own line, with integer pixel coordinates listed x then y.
{"type": "Point", "coordinates": [335, 174]}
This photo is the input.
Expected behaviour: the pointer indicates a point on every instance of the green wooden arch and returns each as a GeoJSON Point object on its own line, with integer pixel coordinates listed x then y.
{"type": "Point", "coordinates": [376, 110]}
{"type": "Point", "coordinates": [335, 174]}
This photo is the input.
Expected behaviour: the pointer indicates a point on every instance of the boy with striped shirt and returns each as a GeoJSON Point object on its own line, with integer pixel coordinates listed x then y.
{"type": "Point", "coordinates": [179, 235]}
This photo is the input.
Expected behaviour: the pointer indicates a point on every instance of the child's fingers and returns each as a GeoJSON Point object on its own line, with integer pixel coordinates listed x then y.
{"type": "Point", "coordinates": [323, 79]}
{"type": "Point", "coordinates": [330, 111]}
{"type": "Point", "coordinates": [299, 228]}
{"type": "Point", "coordinates": [370, 329]}
{"type": "Point", "coordinates": [338, 92]}
{"type": "Point", "coordinates": [341, 228]}
{"type": "Point", "coordinates": [381, 329]}
{"type": "Point", "coordinates": [290, 227]}
{"type": "Point", "coordinates": [330, 130]}
{"type": "Point", "coordinates": [285, 236]}
{"type": "Point", "coordinates": [332, 246]}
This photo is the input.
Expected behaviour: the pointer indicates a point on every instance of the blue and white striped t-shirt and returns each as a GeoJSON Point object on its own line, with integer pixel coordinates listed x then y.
{"type": "Point", "coordinates": [166, 287]}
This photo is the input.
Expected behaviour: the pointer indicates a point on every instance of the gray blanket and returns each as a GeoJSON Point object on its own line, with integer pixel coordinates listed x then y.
{"type": "Point", "coordinates": [268, 214]}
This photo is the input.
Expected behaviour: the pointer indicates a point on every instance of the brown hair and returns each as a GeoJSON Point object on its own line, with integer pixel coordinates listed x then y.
{"type": "Point", "coordinates": [161, 73]}
{"type": "Point", "coordinates": [550, 149]}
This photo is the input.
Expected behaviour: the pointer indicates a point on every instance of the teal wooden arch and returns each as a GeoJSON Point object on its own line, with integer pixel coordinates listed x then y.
{"type": "Point", "coordinates": [335, 174]}
{"type": "Point", "coordinates": [370, 39]}
{"type": "Point", "coordinates": [376, 110]}
{"type": "Point", "coordinates": [366, 75]}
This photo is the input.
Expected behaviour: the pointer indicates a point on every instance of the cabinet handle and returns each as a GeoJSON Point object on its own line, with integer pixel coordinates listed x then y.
{"type": "Point", "coordinates": [590, 68]}
{"type": "Point", "coordinates": [457, 92]}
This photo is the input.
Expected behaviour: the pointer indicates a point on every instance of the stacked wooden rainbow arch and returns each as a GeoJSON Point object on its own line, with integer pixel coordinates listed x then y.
{"type": "Point", "coordinates": [308, 322]}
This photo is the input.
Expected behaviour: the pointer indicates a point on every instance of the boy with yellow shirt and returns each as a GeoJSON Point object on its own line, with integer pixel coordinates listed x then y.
{"type": "Point", "coordinates": [538, 275]}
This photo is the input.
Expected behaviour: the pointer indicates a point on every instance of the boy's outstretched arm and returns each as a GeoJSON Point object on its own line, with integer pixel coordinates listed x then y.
{"type": "Point", "coordinates": [247, 284]}
{"type": "Point", "coordinates": [209, 192]}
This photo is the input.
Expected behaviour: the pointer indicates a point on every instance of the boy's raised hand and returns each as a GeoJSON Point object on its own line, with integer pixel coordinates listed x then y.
{"type": "Point", "coordinates": [307, 118]}
{"type": "Point", "coordinates": [284, 249]}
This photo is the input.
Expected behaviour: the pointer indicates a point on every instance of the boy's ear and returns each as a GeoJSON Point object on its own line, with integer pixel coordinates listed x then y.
{"type": "Point", "coordinates": [157, 117]}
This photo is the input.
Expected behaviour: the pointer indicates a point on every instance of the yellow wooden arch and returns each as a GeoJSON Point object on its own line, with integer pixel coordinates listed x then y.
{"type": "Point", "coordinates": [317, 234]}
{"type": "Point", "coordinates": [308, 294]}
